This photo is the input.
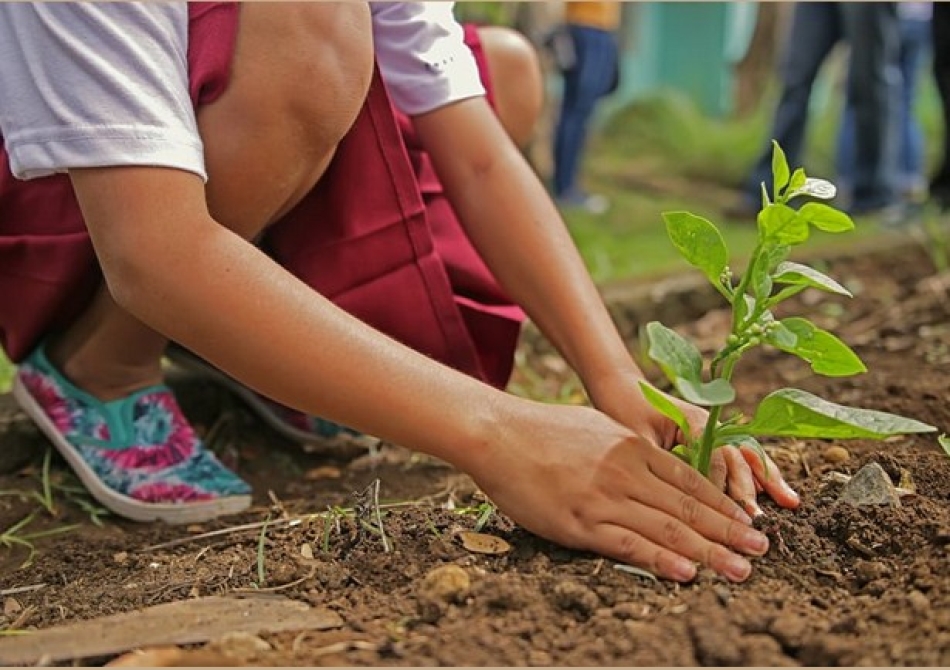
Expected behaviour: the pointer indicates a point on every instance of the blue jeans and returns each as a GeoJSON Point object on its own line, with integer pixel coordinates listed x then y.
{"type": "Point", "coordinates": [915, 45]}
{"type": "Point", "coordinates": [592, 76]}
{"type": "Point", "coordinates": [871, 30]}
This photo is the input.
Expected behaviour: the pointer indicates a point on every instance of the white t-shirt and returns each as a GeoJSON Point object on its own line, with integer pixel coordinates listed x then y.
{"type": "Point", "coordinates": [87, 84]}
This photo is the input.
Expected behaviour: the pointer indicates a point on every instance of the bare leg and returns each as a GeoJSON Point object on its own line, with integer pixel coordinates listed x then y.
{"type": "Point", "coordinates": [268, 139]}
{"type": "Point", "coordinates": [516, 79]}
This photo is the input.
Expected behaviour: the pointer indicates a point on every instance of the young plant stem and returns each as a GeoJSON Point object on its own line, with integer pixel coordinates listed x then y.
{"type": "Point", "coordinates": [707, 446]}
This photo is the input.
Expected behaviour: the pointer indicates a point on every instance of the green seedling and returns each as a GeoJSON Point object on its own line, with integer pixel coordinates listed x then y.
{"type": "Point", "coordinates": [46, 499]}
{"type": "Point", "coordinates": [14, 536]}
{"type": "Point", "coordinates": [770, 278]}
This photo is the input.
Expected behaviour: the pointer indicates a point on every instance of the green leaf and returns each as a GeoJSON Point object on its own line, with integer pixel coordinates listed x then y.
{"type": "Point", "coordinates": [708, 394]}
{"type": "Point", "coordinates": [826, 218]}
{"type": "Point", "coordinates": [666, 407]}
{"type": "Point", "coordinates": [780, 172]}
{"type": "Point", "coordinates": [780, 223]}
{"type": "Point", "coordinates": [826, 354]}
{"type": "Point", "coordinates": [774, 254]}
{"type": "Point", "coordinates": [803, 275]}
{"type": "Point", "coordinates": [782, 338]}
{"type": "Point", "coordinates": [699, 242]}
{"type": "Point", "coordinates": [677, 357]}
{"type": "Point", "coordinates": [743, 305]}
{"type": "Point", "coordinates": [797, 181]}
{"type": "Point", "coordinates": [796, 413]}
{"type": "Point", "coordinates": [944, 442]}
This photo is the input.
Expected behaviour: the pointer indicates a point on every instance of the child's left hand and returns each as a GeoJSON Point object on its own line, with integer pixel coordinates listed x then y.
{"type": "Point", "coordinates": [739, 471]}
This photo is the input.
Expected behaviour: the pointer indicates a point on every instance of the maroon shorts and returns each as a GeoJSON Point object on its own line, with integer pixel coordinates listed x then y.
{"type": "Point", "coordinates": [376, 235]}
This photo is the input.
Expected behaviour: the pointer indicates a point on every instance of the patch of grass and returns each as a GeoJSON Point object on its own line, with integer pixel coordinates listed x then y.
{"type": "Point", "coordinates": [663, 154]}
{"type": "Point", "coordinates": [6, 373]}
{"type": "Point", "coordinates": [15, 536]}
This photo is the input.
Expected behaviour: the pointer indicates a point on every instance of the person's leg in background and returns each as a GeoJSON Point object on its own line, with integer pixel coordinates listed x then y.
{"type": "Point", "coordinates": [915, 46]}
{"type": "Point", "coordinates": [516, 80]}
{"type": "Point", "coordinates": [591, 77]}
{"type": "Point", "coordinates": [814, 32]}
{"type": "Point", "coordinates": [940, 181]}
{"type": "Point", "coordinates": [873, 90]}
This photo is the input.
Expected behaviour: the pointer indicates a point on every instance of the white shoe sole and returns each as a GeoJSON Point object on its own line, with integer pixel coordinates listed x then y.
{"type": "Point", "coordinates": [123, 505]}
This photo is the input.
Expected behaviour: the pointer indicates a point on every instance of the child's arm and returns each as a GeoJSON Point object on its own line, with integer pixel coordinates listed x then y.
{"type": "Point", "coordinates": [570, 474]}
{"type": "Point", "coordinates": [518, 231]}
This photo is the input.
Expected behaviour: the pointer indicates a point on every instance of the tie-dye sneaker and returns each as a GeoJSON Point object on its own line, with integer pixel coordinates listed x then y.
{"type": "Point", "coordinates": [314, 434]}
{"type": "Point", "coordinates": [138, 455]}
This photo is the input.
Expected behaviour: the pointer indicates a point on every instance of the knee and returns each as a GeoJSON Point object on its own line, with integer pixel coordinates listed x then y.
{"type": "Point", "coordinates": [329, 64]}
{"type": "Point", "coordinates": [299, 78]}
{"type": "Point", "coordinates": [516, 80]}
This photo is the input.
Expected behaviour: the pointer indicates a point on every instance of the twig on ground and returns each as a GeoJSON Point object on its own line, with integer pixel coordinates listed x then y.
{"type": "Point", "coordinates": [368, 513]}
{"type": "Point", "coordinates": [21, 589]}
{"type": "Point", "coordinates": [272, 589]}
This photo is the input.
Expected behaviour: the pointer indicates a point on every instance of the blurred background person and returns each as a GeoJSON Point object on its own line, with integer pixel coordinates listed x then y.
{"type": "Point", "coordinates": [589, 63]}
{"type": "Point", "coordinates": [915, 42]}
{"type": "Point", "coordinates": [940, 181]}
{"type": "Point", "coordinates": [871, 31]}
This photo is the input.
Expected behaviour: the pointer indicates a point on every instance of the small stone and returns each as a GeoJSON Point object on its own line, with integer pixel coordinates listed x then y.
{"type": "Point", "coordinates": [12, 606]}
{"type": "Point", "coordinates": [918, 601]}
{"type": "Point", "coordinates": [442, 586]}
{"type": "Point", "coordinates": [836, 455]}
{"type": "Point", "coordinates": [121, 557]}
{"type": "Point", "coordinates": [870, 486]}
{"type": "Point", "coordinates": [482, 543]}
{"type": "Point", "coordinates": [306, 551]}
{"type": "Point", "coordinates": [447, 583]}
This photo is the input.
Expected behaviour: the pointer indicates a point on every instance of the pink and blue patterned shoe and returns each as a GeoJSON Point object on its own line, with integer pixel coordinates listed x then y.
{"type": "Point", "coordinates": [138, 455]}
{"type": "Point", "coordinates": [314, 434]}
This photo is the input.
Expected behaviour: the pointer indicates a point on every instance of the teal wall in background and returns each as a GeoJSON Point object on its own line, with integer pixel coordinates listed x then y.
{"type": "Point", "coordinates": [691, 47]}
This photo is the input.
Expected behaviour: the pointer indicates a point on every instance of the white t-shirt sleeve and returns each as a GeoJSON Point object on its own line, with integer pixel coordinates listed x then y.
{"type": "Point", "coordinates": [422, 55]}
{"type": "Point", "coordinates": [89, 84]}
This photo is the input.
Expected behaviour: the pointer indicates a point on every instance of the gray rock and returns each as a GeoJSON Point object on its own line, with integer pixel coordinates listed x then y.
{"type": "Point", "coordinates": [870, 486]}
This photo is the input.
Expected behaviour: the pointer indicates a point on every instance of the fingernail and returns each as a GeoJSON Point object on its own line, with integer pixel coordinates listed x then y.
{"type": "Point", "coordinates": [752, 507]}
{"type": "Point", "coordinates": [743, 516]}
{"type": "Point", "coordinates": [738, 568]}
{"type": "Point", "coordinates": [683, 570]}
{"type": "Point", "coordinates": [755, 542]}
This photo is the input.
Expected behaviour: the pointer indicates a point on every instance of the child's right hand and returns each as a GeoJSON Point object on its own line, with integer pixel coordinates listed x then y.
{"type": "Point", "coordinates": [578, 478]}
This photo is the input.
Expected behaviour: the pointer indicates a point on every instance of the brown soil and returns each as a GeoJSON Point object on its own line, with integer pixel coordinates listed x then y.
{"type": "Point", "coordinates": [840, 586]}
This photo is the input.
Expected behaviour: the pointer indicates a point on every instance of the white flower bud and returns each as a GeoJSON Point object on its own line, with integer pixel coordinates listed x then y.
{"type": "Point", "coordinates": [816, 188]}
